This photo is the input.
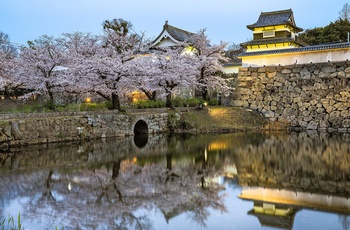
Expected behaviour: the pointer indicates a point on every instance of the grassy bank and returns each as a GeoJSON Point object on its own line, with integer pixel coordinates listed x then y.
{"type": "Point", "coordinates": [223, 119]}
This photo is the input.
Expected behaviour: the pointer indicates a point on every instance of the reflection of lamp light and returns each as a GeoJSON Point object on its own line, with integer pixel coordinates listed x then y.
{"type": "Point", "coordinates": [88, 100]}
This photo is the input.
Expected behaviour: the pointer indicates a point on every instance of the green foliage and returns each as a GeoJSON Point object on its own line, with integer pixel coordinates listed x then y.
{"type": "Point", "coordinates": [108, 105]}
{"type": "Point", "coordinates": [10, 224]}
{"type": "Point", "coordinates": [50, 105]}
{"type": "Point", "coordinates": [178, 102]}
{"type": "Point", "coordinates": [213, 102]}
{"type": "Point", "coordinates": [93, 106]}
{"type": "Point", "coordinates": [334, 32]}
{"type": "Point", "coordinates": [68, 108]}
{"type": "Point", "coordinates": [144, 104]}
{"type": "Point", "coordinates": [185, 125]}
{"type": "Point", "coordinates": [30, 109]}
{"type": "Point", "coordinates": [193, 102]}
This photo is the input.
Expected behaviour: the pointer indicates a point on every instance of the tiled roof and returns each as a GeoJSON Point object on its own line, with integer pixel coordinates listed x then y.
{"type": "Point", "coordinates": [232, 56]}
{"type": "Point", "coordinates": [271, 41]}
{"type": "Point", "coordinates": [282, 17]}
{"type": "Point", "coordinates": [301, 49]}
{"type": "Point", "coordinates": [178, 34]}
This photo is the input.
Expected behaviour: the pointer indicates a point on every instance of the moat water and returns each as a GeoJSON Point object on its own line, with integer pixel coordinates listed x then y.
{"type": "Point", "coordinates": [216, 181]}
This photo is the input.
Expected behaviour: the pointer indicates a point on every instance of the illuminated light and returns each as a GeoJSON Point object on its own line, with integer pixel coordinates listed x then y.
{"type": "Point", "coordinates": [205, 104]}
{"type": "Point", "coordinates": [218, 145]}
{"type": "Point", "coordinates": [134, 160]}
{"type": "Point", "coordinates": [88, 100]}
{"type": "Point", "coordinates": [138, 96]}
{"type": "Point", "coordinates": [69, 186]}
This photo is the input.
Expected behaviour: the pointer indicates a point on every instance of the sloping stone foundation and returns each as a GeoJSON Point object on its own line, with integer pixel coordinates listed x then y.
{"type": "Point", "coordinates": [308, 96]}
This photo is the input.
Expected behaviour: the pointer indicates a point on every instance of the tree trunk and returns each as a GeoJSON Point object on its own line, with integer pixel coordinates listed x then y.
{"type": "Point", "coordinates": [116, 102]}
{"type": "Point", "coordinates": [169, 158]}
{"type": "Point", "coordinates": [51, 103]}
{"type": "Point", "coordinates": [205, 94]}
{"type": "Point", "coordinates": [168, 102]}
{"type": "Point", "coordinates": [151, 95]}
{"type": "Point", "coordinates": [116, 169]}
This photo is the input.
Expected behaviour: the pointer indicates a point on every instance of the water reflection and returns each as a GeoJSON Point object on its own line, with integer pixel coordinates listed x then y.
{"type": "Point", "coordinates": [119, 183]}
{"type": "Point", "coordinates": [141, 140]}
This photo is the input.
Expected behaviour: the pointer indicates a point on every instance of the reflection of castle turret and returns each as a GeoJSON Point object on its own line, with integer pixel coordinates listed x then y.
{"type": "Point", "coordinates": [277, 207]}
{"type": "Point", "coordinates": [274, 215]}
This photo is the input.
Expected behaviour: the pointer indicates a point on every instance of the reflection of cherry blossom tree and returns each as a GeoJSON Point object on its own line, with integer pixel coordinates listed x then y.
{"type": "Point", "coordinates": [345, 221]}
{"type": "Point", "coordinates": [78, 189]}
{"type": "Point", "coordinates": [136, 187]}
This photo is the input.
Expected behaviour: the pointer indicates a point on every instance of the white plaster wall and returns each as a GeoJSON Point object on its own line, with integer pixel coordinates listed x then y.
{"type": "Point", "coordinates": [165, 40]}
{"type": "Point", "coordinates": [231, 69]}
{"type": "Point", "coordinates": [297, 58]}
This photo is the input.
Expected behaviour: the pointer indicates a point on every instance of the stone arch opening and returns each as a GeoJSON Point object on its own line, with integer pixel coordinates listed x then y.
{"type": "Point", "coordinates": [141, 127]}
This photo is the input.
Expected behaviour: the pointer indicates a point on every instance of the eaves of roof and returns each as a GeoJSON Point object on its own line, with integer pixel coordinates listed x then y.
{"type": "Point", "coordinates": [300, 49]}
{"type": "Point", "coordinates": [233, 64]}
{"type": "Point", "coordinates": [275, 18]}
{"type": "Point", "coordinates": [271, 41]}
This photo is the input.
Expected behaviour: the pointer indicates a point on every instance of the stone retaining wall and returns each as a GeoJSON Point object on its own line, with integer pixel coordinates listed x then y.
{"type": "Point", "coordinates": [308, 96]}
{"type": "Point", "coordinates": [24, 129]}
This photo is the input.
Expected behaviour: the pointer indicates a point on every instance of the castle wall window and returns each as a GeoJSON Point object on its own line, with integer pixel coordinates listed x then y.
{"type": "Point", "coordinates": [269, 34]}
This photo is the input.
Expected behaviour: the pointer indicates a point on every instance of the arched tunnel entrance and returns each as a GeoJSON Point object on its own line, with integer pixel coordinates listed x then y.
{"type": "Point", "coordinates": [141, 127]}
{"type": "Point", "coordinates": [141, 134]}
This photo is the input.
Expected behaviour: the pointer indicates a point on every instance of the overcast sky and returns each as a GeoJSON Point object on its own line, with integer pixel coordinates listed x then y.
{"type": "Point", "coordinates": [225, 20]}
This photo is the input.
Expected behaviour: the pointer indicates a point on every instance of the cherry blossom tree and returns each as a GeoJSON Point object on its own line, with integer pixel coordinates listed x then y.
{"type": "Point", "coordinates": [142, 76]}
{"type": "Point", "coordinates": [177, 70]}
{"type": "Point", "coordinates": [167, 71]}
{"type": "Point", "coordinates": [39, 66]}
{"type": "Point", "coordinates": [210, 59]}
{"type": "Point", "coordinates": [82, 52]}
{"type": "Point", "coordinates": [8, 54]}
{"type": "Point", "coordinates": [6, 46]}
{"type": "Point", "coordinates": [6, 65]}
{"type": "Point", "coordinates": [102, 64]}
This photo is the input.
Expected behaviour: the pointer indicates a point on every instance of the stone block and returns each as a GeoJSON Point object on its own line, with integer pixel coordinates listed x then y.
{"type": "Point", "coordinates": [346, 123]}
{"type": "Point", "coordinates": [238, 103]}
{"type": "Point", "coordinates": [328, 69]}
{"type": "Point", "coordinates": [269, 114]}
{"type": "Point", "coordinates": [288, 71]}
{"type": "Point", "coordinates": [312, 125]}
{"type": "Point", "coordinates": [245, 91]}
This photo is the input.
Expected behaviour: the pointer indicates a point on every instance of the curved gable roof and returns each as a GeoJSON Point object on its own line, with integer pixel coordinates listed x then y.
{"type": "Point", "coordinates": [281, 17]}
{"type": "Point", "coordinates": [177, 35]}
